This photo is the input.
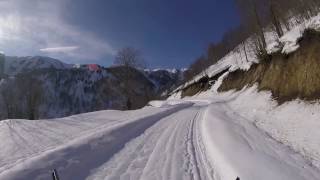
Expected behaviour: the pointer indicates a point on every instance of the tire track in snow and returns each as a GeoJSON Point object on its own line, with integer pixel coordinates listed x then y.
{"type": "Point", "coordinates": [191, 151]}
{"type": "Point", "coordinates": [166, 151]}
{"type": "Point", "coordinates": [131, 160]}
{"type": "Point", "coordinates": [207, 171]}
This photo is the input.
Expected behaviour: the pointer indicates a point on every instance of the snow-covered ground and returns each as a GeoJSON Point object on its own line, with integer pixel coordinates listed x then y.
{"type": "Point", "coordinates": [205, 137]}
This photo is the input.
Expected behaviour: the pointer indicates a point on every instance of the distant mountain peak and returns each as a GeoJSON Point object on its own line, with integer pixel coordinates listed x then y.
{"type": "Point", "coordinates": [15, 65]}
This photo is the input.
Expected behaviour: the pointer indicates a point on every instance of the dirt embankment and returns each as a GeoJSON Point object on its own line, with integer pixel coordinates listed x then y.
{"type": "Point", "coordinates": [201, 85]}
{"type": "Point", "coordinates": [288, 77]}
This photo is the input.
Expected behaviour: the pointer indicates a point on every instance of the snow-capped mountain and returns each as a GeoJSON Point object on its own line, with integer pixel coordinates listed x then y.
{"type": "Point", "coordinates": [165, 80]}
{"type": "Point", "coordinates": [42, 87]}
{"type": "Point", "coordinates": [15, 65]}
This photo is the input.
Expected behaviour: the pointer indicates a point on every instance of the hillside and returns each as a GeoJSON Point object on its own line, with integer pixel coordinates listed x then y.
{"type": "Point", "coordinates": [295, 52]}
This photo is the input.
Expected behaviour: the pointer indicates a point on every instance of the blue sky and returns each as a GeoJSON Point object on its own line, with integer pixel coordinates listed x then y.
{"type": "Point", "coordinates": [170, 33]}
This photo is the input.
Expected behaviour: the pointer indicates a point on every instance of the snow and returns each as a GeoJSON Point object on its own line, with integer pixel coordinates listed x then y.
{"type": "Point", "coordinates": [210, 136]}
{"type": "Point", "coordinates": [236, 59]}
{"type": "Point", "coordinates": [295, 124]}
{"type": "Point", "coordinates": [238, 148]}
{"type": "Point", "coordinates": [163, 152]}
{"type": "Point", "coordinates": [248, 128]}
{"type": "Point", "coordinates": [246, 133]}
{"type": "Point", "coordinates": [32, 148]}
{"type": "Point", "coordinates": [167, 103]}
{"type": "Point", "coordinates": [289, 39]}
{"type": "Point", "coordinates": [173, 71]}
{"type": "Point", "coordinates": [15, 65]}
{"type": "Point", "coordinates": [218, 83]}
{"type": "Point", "coordinates": [158, 104]}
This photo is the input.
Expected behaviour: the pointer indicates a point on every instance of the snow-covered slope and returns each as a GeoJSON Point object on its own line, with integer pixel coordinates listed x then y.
{"type": "Point", "coordinates": [16, 65]}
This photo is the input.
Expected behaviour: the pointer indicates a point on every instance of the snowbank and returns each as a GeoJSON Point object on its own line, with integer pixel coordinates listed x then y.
{"type": "Point", "coordinates": [168, 103]}
{"type": "Point", "coordinates": [237, 148]}
{"type": "Point", "coordinates": [295, 124]}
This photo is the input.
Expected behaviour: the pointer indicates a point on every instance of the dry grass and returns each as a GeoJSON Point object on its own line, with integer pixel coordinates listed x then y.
{"type": "Point", "coordinates": [195, 88]}
{"type": "Point", "coordinates": [288, 77]}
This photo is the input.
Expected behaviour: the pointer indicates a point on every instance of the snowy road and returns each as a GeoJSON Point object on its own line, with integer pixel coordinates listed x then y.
{"type": "Point", "coordinates": [186, 141]}
{"type": "Point", "coordinates": [168, 150]}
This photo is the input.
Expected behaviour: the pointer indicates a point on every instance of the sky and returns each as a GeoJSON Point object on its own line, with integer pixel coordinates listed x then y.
{"type": "Point", "coordinates": [169, 33]}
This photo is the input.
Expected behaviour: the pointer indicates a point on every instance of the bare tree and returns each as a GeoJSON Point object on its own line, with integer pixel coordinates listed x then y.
{"type": "Point", "coordinates": [196, 67]}
{"type": "Point", "coordinates": [275, 17]}
{"type": "Point", "coordinates": [2, 63]}
{"type": "Point", "coordinates": [130, 58]}
{"type": "Point", "coordinates": [245, 50]}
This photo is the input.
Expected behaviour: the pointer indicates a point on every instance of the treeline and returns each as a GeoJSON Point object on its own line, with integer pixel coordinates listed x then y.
{"type": "Point", "coordinates": [256, 16]}
{"type": "Point", "coordinates": [21, 97]}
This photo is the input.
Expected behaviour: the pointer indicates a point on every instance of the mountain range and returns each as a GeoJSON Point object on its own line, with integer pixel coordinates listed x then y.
{"type": "Point", "coordinates": [41, 87]}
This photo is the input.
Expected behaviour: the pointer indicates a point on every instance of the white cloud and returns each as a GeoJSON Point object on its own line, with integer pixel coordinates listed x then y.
{"type": "Point", "coordinates": [27, 26]}
{"type": "Point", "coordinates": [64, 49]}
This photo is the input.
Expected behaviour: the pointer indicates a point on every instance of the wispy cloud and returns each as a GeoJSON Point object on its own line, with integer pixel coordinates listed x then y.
{"type": "Point", "coordinates": [29, 26]}
{"type": "Point", "coordinates": [64, 49]}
